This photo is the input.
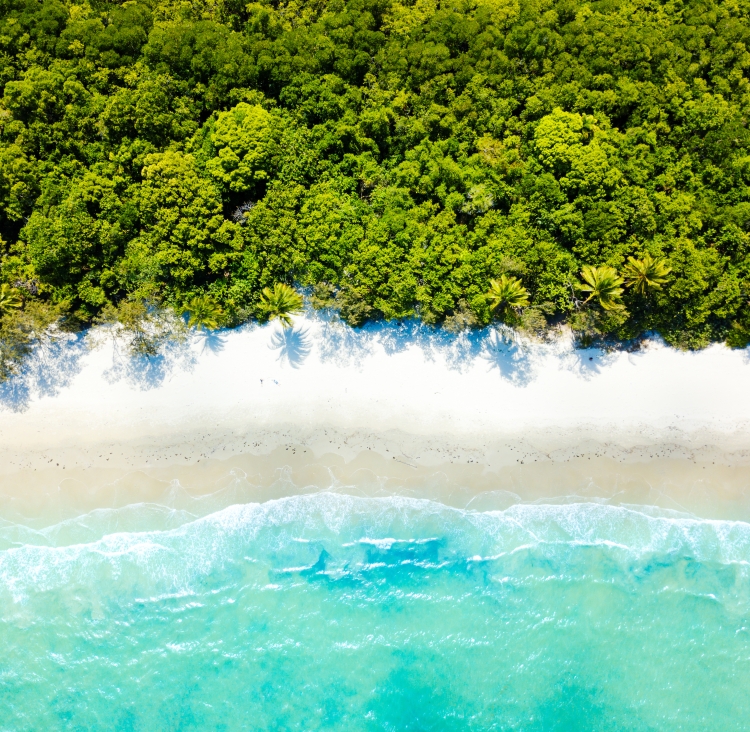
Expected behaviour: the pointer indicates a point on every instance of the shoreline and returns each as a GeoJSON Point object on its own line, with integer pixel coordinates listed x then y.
{"type": "Point", "coordinates": [689, 473]}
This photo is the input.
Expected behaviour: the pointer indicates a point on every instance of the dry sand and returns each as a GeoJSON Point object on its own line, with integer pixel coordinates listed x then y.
{"type": "Point", "coordinates": [471, 420]}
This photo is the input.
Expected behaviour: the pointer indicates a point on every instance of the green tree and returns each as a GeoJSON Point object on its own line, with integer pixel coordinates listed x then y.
{"type": "Point", "coordinates": [184, 238]}
{"type": "Point", "coordinates": [75, 241]}
{"type": "Point", "coordinates": [243, 139]}
{"type": "Point", "coordinates": [22, 330]}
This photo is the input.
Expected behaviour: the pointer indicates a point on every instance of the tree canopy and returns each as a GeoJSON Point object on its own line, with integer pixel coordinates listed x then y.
{"type": "Point", "coordinates": [396, 157]}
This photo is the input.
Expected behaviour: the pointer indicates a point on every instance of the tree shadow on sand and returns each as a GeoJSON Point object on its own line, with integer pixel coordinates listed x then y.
{"type": "Point", "coordinates": [149, 372]}
{"type": "Point", "coordinates": [214, 341]}
{"type": "Point", "coordinates": [589, 362]}
{"type": "Point", "coordinates": [343, 345]}
{"type": "Point", "coordinates": [511, 358]}
{"type": "Point", "coordinates": [294, 345]}
{"type": "Point", "coordinates": [346, 346]}
{"type": "Point", "coordinates": [49, 369]}
{"type": "Point", "coordinates": [459, 351]}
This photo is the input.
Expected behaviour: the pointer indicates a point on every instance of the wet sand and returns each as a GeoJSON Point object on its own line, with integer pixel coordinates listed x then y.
{"type": "Point", "coordinates": [689, 473]}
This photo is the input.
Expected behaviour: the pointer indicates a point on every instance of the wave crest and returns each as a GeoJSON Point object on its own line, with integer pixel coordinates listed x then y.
{"type": "Point", "coordinates": [340, 536]}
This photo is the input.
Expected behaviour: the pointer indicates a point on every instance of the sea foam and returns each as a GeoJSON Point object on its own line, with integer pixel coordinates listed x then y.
{"type": "Point", "coordinates": [328, 611]}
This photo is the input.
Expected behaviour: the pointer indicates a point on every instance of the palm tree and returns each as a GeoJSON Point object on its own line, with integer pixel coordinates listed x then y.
{"type": "Point", "coordinates": [603, 283]}
{"type": "Point", "coordinates": [9, 300]}
{"type": "Point", "coordinates": [645, 274]}
{"type": "Point", "coordinates": [204, 312]}
{"type": "Point", "coordinates": [282, 302]}
{"type": "Point", "coordinates": [507, 293]}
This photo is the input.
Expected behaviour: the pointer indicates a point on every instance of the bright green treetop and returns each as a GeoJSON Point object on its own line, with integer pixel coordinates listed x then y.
{"type": "Point", "coordinates": [281, 303]}
{"type": "Point", "coordinates": [243, 138]}
{"type": "Point", "coordinates": [203, 312]}
{"type": "Point", "coordinates": [604, 284]}
{"type": "Point", "coordinates": [506, 294]}
{"type": "Point", "coordinates": [646, 274]}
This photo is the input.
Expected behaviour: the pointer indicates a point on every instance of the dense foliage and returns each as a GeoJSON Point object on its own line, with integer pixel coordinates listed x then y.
{"type": "Point", "coordinates": [395, 157]}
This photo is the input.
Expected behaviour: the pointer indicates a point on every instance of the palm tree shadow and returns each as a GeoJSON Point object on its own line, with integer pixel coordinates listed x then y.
{"type": "Point", "coordinates": [293, 345]}
{"type": "Point", "coordinates": [510, 358]}
{"type": "Point", "coordinates": [345, 345]}
{"type": "Point", "coordinates": [213, 342]}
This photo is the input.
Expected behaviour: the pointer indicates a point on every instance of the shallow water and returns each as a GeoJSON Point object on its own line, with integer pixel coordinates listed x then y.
{"type": "Point", "coordinates": [327, 611]}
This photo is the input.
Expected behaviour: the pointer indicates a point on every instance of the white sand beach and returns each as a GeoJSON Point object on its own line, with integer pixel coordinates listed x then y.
{"type": "Point", "coordinates": [383, 409]}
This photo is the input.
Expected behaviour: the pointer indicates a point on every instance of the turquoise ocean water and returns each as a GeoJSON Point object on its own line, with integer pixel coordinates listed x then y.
{"type": "Point", "coordinates": [329, 612]}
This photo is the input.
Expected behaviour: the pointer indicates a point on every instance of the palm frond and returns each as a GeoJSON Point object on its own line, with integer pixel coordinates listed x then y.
{"type": "Point", "coordinates": [203, 312]}
{"type": "Point", "coordinates": [507, 293]}
{"type": "Point", "coordinates": [9, 300]}
{"type": "Point", "coordinates": [646, 274]}
{"type": "Point", "coordinates": [281, 303]}
{"type": "Point", "coordinates": [604, 284]}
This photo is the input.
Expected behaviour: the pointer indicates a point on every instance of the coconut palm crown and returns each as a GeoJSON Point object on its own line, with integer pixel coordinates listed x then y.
{"type": "Point", "coordinates": [646, 274]}
{"type": "Point", "coordinates": [506, 293]}
{"type": "Point", "coordinates": [203, 312]}
{"type": "Point", "coordinates": [281, 302]}
{"type": "Point", "coordinates": [9, 300]}
{"type": "Point", "coordinates": [604, 284]}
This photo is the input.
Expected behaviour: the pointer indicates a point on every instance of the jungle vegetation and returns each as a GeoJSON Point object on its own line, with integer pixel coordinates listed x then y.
{"type": "Point", "coordinates": [526, 160]}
